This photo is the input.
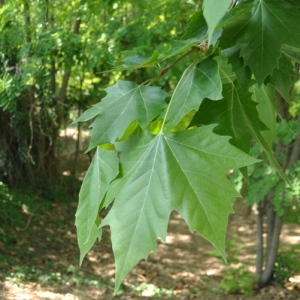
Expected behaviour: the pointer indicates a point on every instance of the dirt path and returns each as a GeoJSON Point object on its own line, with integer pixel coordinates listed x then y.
{"type": "Point", "coordinates": [185, 267]}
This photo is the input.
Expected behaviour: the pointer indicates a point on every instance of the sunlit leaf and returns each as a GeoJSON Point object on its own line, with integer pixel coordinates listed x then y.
{"type": "Point", "coordinates": [183, 171]}
{"type": "Point", "coordinates": [124, 103]}
{"type": "Point", "coordinates": [213, 11]}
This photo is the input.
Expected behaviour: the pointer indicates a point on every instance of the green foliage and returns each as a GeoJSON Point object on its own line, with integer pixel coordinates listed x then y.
{"type": "Point", "coordinates": [162, 153]}
{"type": "Point", "coordinates": [287, 264]}
{"type": "Point", "coordinates": [71, 275]}
{"type": "Point", "coordinates": [264, 178]}
{"type": "Point", "coordinates": [52, 62]}
{"type": "Point", "coordinates": [238, 281]}
{"type": "Point", "coordinates": [268, 25]}
{"type": "Point", "coordinates": [16, 208]}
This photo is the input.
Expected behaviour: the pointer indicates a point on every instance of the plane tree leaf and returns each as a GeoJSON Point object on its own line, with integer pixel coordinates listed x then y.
{"type": "Point", "coordinates": [136, 61]}
{"type": "Point", "coordinates": [213, 11]}
{"type": "Point", "coordinates": [267, 111]}
{"type": "Point", "coordinates": [260, 28]}
{"type": "Point", "coordinates": [199, 81]}
{"type": "Point", "coordinates": [197, 27]}
{"type": "Point", "coordinates": [102, 170]}
{"type": "Point", "coordinates": [237, 116]}
{"type": "Point", "coordinates": [292, 53]}
{"type": "Point", "coordinates": [124, 103]}
{"type": "Point", "coordinates": [168, 152]}
{"type": "Point", "coordinates": [170, 171]}
{"type": "Point", "coordinates": [281, 78]}
{"type": "Point", "coordinates": [243, 74]}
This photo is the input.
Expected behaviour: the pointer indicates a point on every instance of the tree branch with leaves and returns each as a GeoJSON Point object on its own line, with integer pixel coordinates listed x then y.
{"type": "Point", "coordinates": [159, 151]}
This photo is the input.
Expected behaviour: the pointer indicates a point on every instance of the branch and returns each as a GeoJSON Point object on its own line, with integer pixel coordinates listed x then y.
{"type": "Point", "coordinates": [259, 239]}
{"type": "Point", "coordinates": [203, 48]}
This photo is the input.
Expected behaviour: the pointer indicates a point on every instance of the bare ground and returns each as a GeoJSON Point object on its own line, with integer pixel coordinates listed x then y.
{"type": "Point", "coordinates": [186, 266]}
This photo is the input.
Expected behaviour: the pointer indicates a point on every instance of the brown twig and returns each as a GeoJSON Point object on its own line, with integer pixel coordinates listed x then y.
{"type": "Point", "coordinates": [166, 69]}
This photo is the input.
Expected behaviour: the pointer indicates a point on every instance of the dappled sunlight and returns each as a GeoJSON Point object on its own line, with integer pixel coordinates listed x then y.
{"type": "Point", "coordinates": [185, 262]}
{"type": "Point", "coordinates": [12, 291]}
{"type": "Point", "coordinates": [290, 234]}
{"type": "Point", "coordinates": [178, 237]}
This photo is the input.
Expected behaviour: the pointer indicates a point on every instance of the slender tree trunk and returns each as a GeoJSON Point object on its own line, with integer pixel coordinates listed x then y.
{"type": "Point", "coordinates": [264, 272]}
{"type": "Point", "coordinates": [67, 73]}
{"type": "Point", "coordinates": [259, 239]}
{"type": "Point", "coordinates": [266, 275]}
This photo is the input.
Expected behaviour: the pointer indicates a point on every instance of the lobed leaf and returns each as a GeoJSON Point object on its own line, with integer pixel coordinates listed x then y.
{"type": "Point", "coordinates": [267, 111]}
{"type": "Point", "coordinates": [261, 28]}
{"type": "Point", "coordinates": [237, 116]}
{"type": "Point", "coordinates": [183, 171]}
{"type": "Point", "coordinates": [281, 78]}
{"type": "Point", "coordinates": [124, 103]}
{"type": "Point", "coordinates": [199, 81]}
{"type": "Point", "coordinates": [197, 28]}
{"type": "Point", "coordinates": [243, 74]}
{"type": "Point", "coordinates": [214, 11]}
{"type": "Point", "coordinates": [102, 170]}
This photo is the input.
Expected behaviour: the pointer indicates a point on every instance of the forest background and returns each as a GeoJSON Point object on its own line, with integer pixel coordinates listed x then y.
{"type": "Point", "coordinates": [55, 63]}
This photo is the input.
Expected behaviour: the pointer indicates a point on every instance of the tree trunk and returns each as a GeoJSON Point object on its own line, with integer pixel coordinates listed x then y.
{"type": "Point", "coordinates": [264, 272]}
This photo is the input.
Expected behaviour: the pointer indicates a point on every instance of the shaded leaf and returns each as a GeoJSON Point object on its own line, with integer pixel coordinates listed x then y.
{"type": "Point", "coordinates": [237, 116]}
{"type": "Point", "coordinates": [260, 28]}
{"type": "Point", "coordinates": [225, 70]}
{"type": "Point", "coordinates": [243, 74]}
{"type": "Point", "coordinates": [175, 48]}
{"type": "Point", "coordinates": [291, 53]}
{"type": "Point", "coordinates": [199, 81]}
{"type": "Point", "coordinates": [137, 61]}
{"type": "Point", "coordinates": [281, 78]}
{"type": "Point", "coordinates": [197, 28]}
{"type": "Point", "coordinates": [102, 170]}
{"type": "Point", "coordinates": [267, 111]}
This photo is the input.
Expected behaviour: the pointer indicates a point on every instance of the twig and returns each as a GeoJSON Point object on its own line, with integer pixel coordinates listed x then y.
{"type": "Point", "coordinates": [166, 69]}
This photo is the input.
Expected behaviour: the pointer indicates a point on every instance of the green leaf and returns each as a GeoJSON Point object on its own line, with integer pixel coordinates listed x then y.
{"type": "Point", "coordinates": [214, 11]}
{"type": "Point", "coordinates": [238, 117]}
{"type": "Point", "coordinates": [199, 81]}
{"type": "Point", "coordinates": [267, 111]}
{"type": "Point", "coordinates": [260, 28]}
{"type": "Point", "coordinates": [124, 103]}
{"type": "Point", "coordinates": [225, 70]}
{"type": "Point", "coordinates": [175, 48]}
{"type": "Point", "coordinates": [281, 78]}
{"type": "Point", "coordinates": [183, 171]}
{"type": "Point", "coordinates": [243, 74]}
{"type": "Point", "coordinates": [137, 61]}
{"type": "Point", "coordinates": [292, 53]}
{"type": "Point", "coordinates": [196, 29]}
{"type": "Point", "coordinates": [102, 170]}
